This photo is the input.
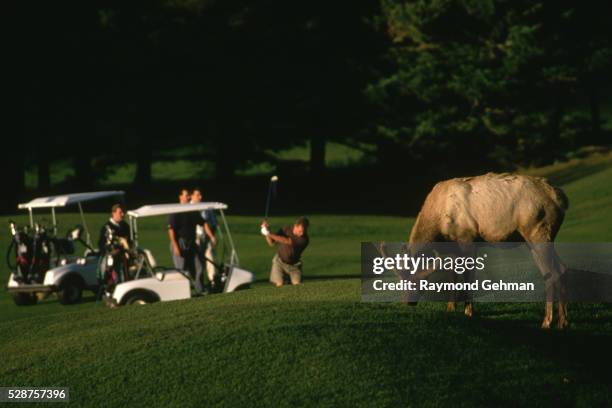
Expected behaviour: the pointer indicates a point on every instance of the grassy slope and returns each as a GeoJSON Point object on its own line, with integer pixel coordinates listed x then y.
{"type": "Point", "coordinates": [588, 184]}
{"type": "Point", "coordinates": [317, 344]}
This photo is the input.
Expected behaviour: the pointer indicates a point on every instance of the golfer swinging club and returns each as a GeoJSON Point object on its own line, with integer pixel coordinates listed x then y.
{"type": "Point", "coordinates": [292, 241]}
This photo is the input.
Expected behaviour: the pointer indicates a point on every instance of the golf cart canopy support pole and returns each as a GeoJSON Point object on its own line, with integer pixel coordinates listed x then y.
{"type": "Point", "coordinates": [85, 225]}
{"type": "Point", "coordinates": [132, 238]}
{"type": "Point", "coordinates": [54, 220]}
{"type": "Point", "coordinates": [31, 218]}
{"type": "Point", "coordinates": [134, 230]}
{"type": "Point", "coordinates": [231, 241]}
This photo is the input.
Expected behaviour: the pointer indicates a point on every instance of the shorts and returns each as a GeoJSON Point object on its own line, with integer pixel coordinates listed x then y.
{"type": "Point", "coordinates": [280, 268]}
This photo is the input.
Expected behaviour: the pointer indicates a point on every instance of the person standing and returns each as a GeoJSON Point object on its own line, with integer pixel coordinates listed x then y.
{"type": "Point", "coordinates": [119, 228]}
{"type": "Point", "coordinates": [206, 239]}
{"type": "Point", "coordinates": [182, 234]}
{"type": "Point", "coordinates": [175, 250]}
{"type": "Point", "coordinates": [292, 241]}
{"type": "Point", "coordinates": [113, 245]}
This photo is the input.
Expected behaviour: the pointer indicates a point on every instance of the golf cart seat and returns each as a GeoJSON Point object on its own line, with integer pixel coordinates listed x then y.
{"type": "Point", "coordinates": [149, 256]}
{"type": "Point", "coordinates": [169, 275]}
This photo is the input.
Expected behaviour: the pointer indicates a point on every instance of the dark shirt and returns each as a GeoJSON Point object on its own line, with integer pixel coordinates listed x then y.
{"type": "Point", "coordinates": [291, 253]}
{"type": "Point", "coordinates": [184, 225]}
{"type": "Point", "coordinates": [120, 230]}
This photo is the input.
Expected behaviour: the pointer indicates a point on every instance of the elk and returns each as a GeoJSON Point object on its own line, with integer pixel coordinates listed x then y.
{"type": "Point", "coordinates": [498, 208]}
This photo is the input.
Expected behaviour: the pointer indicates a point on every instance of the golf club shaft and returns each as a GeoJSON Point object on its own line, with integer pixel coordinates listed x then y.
{"type": "Point", "coordinates": [268, 200]}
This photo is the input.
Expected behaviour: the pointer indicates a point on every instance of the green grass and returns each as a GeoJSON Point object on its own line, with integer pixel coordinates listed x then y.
{"type": "Point", "coordinates": [309, 346]}
{"type": "Point", "coordinates": [317, 344]}
{"type": "Point", "coordinates": [334, 252]}
{"type": "Point", "coordinates": [336, 154]}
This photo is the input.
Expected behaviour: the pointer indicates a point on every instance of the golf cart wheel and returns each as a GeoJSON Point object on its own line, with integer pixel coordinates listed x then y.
{"type": "Point", "coordinates": [70, 291]}
{"type": "Point", "coordinates": [140, 298]}
{"type": "Point", "coordinates": [24, 299]}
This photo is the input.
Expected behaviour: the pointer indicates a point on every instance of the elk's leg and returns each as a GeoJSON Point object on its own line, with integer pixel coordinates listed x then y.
{"type": "Point", "coordinates": [452, 297]}
{"type": "Point", "coordinates": [452, 303]}
{"type": "Point", "coordinates": [469, 251]}
{"type": "Point", "coordinates": [548, 314]}
{"type": "Point", "coordinates": [401, 274]}
{"type": "Point", "coordinates": [562, 306]}
{"type": "Point", "coordinates": [468, 309]}
{"type": "Point", "coordinates": [545, 259]}
{"type": "Point", "coordinates": [559, 283]}
{"type": "Point", "coordinates": [563, 321]}
{"type": "Point", "coordinates": [411, 297]}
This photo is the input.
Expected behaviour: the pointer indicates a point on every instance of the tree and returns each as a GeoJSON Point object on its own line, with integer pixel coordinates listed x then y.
{"type": "Point", "coordinates": [490, 83]}
{"type": "Point", "coordinates": [269, 75]}
{"type": "Point", "coordinates": [144, 160]}
{"type": "Point", "coordinates": [317, 155]}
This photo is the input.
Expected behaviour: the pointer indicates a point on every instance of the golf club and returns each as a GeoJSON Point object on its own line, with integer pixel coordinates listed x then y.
{"type": "Point", "coordinates": [271, 192]}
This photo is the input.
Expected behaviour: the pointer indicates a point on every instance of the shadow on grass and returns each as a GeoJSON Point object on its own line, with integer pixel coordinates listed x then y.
{"type": "Point", "coordinates": [428, 356]}
{"type": "Point", "coordinates": [316, 277]}
{"type": "Point", "coordinates": [54, 300]}
{"type": "Point", "coordinates": [331, 277]}
{"type": "Point", "coordinates": [585, 352]}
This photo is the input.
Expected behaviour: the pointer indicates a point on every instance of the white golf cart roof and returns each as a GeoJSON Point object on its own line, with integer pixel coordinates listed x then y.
{"type": "Point", "coordinates": [68, 199]}
{"type": "Point", "coordinates": [165, 209]}
{"type": "Point", "coordinates": [175, 208]}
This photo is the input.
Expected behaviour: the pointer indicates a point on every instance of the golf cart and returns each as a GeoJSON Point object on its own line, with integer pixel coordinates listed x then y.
{"type": "Point", "coordinates": [45, 262]}
{"type": "Point", "coordinates": [150, 283]}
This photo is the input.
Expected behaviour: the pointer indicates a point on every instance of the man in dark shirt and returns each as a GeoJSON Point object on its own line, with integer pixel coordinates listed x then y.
{"type": "Point", "coordinates": [115, 242]}
{"type": "Point", "coordinates": [292, 242]}
{"type": "Point", "coordinates": [118, 227]}
{"type": "Point", "coordinates": [182, 234]}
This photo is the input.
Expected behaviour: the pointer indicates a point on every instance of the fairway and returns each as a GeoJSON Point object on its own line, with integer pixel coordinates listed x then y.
{"type": "Point", "coordinates": [316, 344]}
{"type": "Point", "coordinates": [310, 345]}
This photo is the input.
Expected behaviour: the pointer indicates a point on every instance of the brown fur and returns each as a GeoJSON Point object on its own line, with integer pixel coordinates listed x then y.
{"type": "Point", "coordinates": [498, 208]}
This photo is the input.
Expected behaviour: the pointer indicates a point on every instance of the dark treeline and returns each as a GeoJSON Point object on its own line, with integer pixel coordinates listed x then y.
{"type": "Point", "coordinates": [425, 89]}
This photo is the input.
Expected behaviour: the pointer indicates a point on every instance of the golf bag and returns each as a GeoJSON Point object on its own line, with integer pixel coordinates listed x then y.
{"type": "Point", "coordinates": [113, 266]}
{"type": "Point", "coordinates": [216, 286]}
{"type": "Point", "coordinates": [32, 254]}
{"type": "Point", "coordinates": [229, 278]}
